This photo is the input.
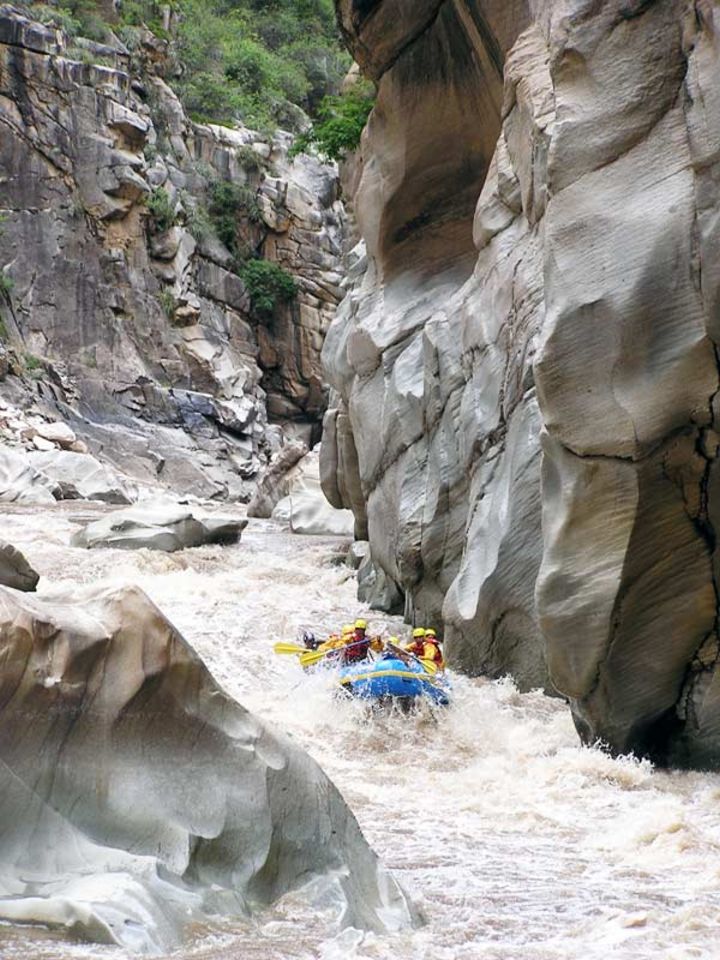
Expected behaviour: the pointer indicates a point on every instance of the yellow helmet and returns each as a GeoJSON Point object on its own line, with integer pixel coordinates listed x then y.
{"type": "Point", "coordinates": [418, 632]}
{"type": "Point", "coordinates": [348, 628]}
{"type": "Point", "coordinates": [429, 632]}
{"type": "Point", "coordinates": [360, 625]}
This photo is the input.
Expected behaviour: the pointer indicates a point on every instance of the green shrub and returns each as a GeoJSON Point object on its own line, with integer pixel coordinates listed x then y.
{"type": "Point", "coordinates": [197, 220]}
{"type": "Point", "coordinates": [340, 125]}
{"type": "Point", "coordinates": [260, 62]}
{"type": "Point", "coordinates": [168, 303]}
{"type": "Point", "coordinates": [58, 17]}
{"type": "Point", "coordinates": [268, 286]}
{"type": "Point", "coordinates": [4, 335]}
{"type": "Point", "coordinates": [83, 55]}
{"type": "Point", "coordinates": [6, 284]}
{"type": "Point", "coordinates": [255, 60]}
{"type": "Point", "coordinates": [208, 98]}
{"type": "Point", "coordinates": [228, 202]}
{"type": "Point", "coordinates": [249, 159]}
{"type": "Point", "coordinates": [32, 363]}
{"type": "Point", "coordinates": [79, 18]}
{"type": "Point", "coordinates": [161, 209]}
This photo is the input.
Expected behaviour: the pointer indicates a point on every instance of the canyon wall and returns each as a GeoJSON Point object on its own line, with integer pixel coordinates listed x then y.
{"type": "Point", "coordinates": [122, 309]}
{"type": "Point", "coordinates": [525, 371]}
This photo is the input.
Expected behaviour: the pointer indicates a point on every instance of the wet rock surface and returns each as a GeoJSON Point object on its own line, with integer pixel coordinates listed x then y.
{"type": "Point", "coordinates": [304, 507]}
{"type": "Point", "coordinates": [525, 368]}
{"type": "Point", "coordinates": [158, 525]}
{"type": "Point", "coordinates": [138, 797]}
{"type": "Point", "coordinates": [15, 571]}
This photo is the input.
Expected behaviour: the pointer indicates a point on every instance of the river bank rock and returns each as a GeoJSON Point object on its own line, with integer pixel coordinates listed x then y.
{"type": "Point", "coordinates": [137, 797]}
{"type": "Point", "coordinates": [274, 482]}
{"type": "Point", "coordinates": [157, 525]}
{"type": "Point", "coordinates": [15, 571]}
{"type": "Point", "coordinates": [305, 507]}
{"type": "Point", "coordinates": [20, 482]}
{"type": "Point", "coordinates": [79, 476]}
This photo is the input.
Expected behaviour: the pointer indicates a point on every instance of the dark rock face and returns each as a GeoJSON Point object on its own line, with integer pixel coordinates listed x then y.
{"type": "Point", "coordinates": [136, 796]}
{"type": "Point", "coordinates": [531, 438]}
{"type": "Point", "coordinates": [15, 571]}
{"type": "Point", "coordinates": [148, 341]}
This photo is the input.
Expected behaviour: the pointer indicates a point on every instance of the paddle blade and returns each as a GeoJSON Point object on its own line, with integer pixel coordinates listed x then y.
{"type": "Point", "coordinates": [312, 656]}
{"type": "Point", "coordinates": [289, 648]}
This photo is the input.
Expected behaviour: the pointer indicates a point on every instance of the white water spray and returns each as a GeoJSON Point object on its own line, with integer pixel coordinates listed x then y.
{"type": "Point", "coordinates": [517, 843]}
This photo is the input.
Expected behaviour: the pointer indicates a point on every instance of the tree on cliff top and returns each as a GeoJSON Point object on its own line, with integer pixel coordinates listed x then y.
{"type": "Point", "coordinates": [264, 63]}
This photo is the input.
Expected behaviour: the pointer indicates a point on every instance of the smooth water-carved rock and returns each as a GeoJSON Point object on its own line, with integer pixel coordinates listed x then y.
{"type": "Point", "coordinates": [21, 482]}
{"type": "Point", "coordinates": [586, 176]}
{"type": "Point", "coordinates": [15, 571]}
{"type": "Point", "coordinates": [137, 797]}
{"type": "Point", "coordinates": [304, 507]}
{"type": "Point", "coordinates": [81, 477]}
{"type": "Point", "coordinates": [158, 525]}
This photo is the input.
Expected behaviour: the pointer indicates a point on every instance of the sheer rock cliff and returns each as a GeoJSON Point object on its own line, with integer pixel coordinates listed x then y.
{"type": "Point", "coordinates": [525, 374]}
{"type": "Point", "coordinates": [121, 309]}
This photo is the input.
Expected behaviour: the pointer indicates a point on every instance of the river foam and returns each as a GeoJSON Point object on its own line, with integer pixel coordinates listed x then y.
{"type": "Point", "coordinates": [516, 842]}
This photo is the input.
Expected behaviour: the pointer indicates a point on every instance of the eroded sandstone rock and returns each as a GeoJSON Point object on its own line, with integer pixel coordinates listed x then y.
{"type": "Point", "coordinates": [586, 174]}
{"type": "Point", "coordinates": [274, 483]}
{"type": "Point", "coordinates": [21, 482]}
{"type": "Point", "coordinates": [304, 507]}
{"type": "Point", "coordinates": [158, 525]}
{"type": "Point", "coordinates": [136, 796]}
{"type": "Point", "coordinates": [79, 476]}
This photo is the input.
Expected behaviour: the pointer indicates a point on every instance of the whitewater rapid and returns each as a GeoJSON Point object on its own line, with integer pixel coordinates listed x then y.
{"type": "Point", "coordinates": [515, 842]}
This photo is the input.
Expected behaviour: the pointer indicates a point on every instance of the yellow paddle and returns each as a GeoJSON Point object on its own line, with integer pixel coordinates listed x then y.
{"type": "Point", "coordinates": [315, 655]}
{"type": "Point", "coordinates": [428, 665]}
{"type": "Point", "coordinates": [289, 648]}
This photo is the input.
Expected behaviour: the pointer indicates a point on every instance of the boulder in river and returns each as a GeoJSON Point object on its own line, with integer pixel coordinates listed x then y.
{"type": "Point", "coordinates": [136, 796]}
{"type": "Point", "coordinates": [15, 571]}
{"type": "Point", "coordinates": [305, 507]}
{"type": "Point", "coordinates": [158, 525]}
{"type": "Point", "coordinates": [21, 482]}
{"type": "Point", "coordinates": [81, 477]}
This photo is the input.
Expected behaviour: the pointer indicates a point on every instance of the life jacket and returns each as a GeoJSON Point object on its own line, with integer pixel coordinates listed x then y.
{"type": "Point", "coordinates": [436, 656]}
{"type": "Point", "coordinates": [357, 648]}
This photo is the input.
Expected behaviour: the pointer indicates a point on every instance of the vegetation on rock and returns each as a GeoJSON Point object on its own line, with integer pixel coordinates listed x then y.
{"type": "Point", "coordinates": [268, 285]}
{"type": "Point", "coordinates": [228, 201]}
{"type": "Point", "coordinates": [161, 209]}
{"type": "Point", "coordinates": [263, 63]}
{"type": "Point", "coordinates": [339, 125]}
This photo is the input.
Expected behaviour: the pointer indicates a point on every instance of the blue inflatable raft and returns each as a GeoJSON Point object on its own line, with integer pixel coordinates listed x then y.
{"type": "Point", "coordinates": [390, 678]}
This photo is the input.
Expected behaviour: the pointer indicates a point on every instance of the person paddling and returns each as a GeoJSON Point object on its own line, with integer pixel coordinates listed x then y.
{"type": "Point", "coordinates": [424, 645]}
{"type": "Point", "coordinates": [432, 649]}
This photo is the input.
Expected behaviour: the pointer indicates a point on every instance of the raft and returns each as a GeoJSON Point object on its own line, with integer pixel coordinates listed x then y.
{"type": "Point", "coordinates": [390, 678]}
